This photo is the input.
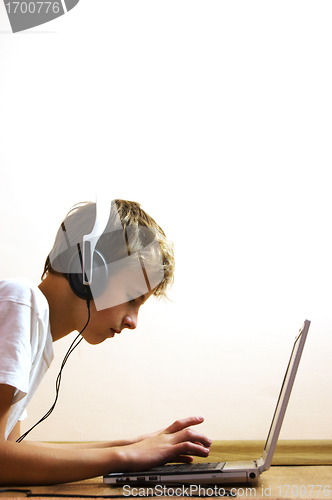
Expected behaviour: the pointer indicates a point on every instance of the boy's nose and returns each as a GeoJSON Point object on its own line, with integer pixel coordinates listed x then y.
{"type": "Point", "coordinates": [130, 322]}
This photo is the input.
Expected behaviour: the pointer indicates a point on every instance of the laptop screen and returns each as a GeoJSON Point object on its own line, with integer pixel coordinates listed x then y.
{"type": "Point", "coordinates": [285, 392]}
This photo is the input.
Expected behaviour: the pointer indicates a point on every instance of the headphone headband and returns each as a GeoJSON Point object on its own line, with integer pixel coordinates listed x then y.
{"type": "Point", "coordinates": [103, 210]}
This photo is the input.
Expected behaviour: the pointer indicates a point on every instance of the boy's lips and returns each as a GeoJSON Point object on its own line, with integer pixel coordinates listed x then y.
{"type": "Point", "coordinates": [113, 332]}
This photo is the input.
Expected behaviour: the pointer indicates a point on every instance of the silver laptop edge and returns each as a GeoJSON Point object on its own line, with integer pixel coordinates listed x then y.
{"type": "Point", "coordinates": [265, 461]}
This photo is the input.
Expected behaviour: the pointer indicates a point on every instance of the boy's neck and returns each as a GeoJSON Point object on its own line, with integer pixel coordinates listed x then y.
{"type": "Point", "coordinates": [66, 309]}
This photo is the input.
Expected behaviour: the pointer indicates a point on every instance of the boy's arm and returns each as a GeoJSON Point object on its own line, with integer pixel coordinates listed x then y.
{"type": "Point", "coordinates": [6, 398]}
{"type": "Point", "coordinates": [95, 444]}
{"type": "Point", "coordinates": [84, 446]}
{"type": "Point", "coordinates": [27, 464]}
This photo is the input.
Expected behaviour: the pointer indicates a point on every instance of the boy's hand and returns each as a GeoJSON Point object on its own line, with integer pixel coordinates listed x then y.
{"type": "Point", "coordinates": [177, 443]}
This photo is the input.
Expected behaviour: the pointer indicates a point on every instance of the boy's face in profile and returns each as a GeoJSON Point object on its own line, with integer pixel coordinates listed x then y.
{"type": "Point", "coordinates": [128, 291]}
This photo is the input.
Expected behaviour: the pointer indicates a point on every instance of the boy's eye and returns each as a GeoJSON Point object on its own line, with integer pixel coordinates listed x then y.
{"type": "Point", "coordinates": [138, 300]}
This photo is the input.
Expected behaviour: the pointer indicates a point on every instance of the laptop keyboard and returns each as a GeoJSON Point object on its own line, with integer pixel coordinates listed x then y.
{"type": "Point", "coordinates": [183, 468]}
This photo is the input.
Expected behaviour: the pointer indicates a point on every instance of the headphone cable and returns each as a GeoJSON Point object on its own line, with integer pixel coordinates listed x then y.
{"type": "Point", "coordinates": [73, 345]}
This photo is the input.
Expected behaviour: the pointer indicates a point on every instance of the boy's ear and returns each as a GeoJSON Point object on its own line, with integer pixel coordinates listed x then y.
{"type": "Point", "coordinates": [100, 276]}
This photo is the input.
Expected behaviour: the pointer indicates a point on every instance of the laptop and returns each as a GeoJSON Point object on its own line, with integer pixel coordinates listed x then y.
{"type": "Point", "coordinates": [224, 472]}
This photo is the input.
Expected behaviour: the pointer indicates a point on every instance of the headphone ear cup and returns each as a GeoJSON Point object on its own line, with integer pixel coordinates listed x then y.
{"type": "Point", "coordinates": [99, 277]}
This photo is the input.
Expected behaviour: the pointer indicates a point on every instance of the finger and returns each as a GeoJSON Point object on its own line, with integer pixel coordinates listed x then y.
{"type": "Point", "coordinates": [208, 443]}
{"type": "Point", "coordinates": [186, 459]}
{"type": "Point", "coordinates": [190, 435]}
{"type": "Point", "coordinates": [178, 425]}
{"type": "Point", "coordinates": [187, 448]}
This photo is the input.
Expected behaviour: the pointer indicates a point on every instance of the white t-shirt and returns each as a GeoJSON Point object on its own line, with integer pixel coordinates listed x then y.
{"type": "Point", "coordinates": [26, 348]}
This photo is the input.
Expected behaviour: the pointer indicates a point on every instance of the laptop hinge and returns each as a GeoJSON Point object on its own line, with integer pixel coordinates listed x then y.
{"type": "Point", "coordinates": [260, 464]}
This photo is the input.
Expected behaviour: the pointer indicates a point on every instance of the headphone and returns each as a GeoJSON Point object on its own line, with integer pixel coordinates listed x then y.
{"type": "Point", "coordinates": [100, 276]}
{"type": "Point", "coordinates": [87, 269]}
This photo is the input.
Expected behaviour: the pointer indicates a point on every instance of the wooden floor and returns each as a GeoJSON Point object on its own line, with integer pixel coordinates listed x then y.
{"type": "Point", "coordinates": [301, 470]}
{"type": "Point", "coordinates": [288, 482]}
{"type": "Point", "coordinates": [311, 452]}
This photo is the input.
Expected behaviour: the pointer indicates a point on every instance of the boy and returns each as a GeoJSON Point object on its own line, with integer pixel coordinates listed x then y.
{"type": "Point", "coordinates": [96, 284]}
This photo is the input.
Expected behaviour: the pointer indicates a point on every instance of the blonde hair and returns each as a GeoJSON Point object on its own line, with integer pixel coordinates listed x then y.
{"type": "Point", "coordinates": [138, 230]}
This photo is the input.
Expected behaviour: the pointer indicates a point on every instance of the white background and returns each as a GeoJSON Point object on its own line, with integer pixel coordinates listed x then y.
{"type": "Point", "coordinates": [216, 117]}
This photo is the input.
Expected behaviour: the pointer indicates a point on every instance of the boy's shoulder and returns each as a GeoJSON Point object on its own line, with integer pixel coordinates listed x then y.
{"type": "Point", "coordinates": [20, 290]}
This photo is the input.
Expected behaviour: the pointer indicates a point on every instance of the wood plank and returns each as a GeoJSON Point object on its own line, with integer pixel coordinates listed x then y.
{"type": "Point", "coordinates": [288, 452]}
{"type": "Point", "coordinates": [291, 483]}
